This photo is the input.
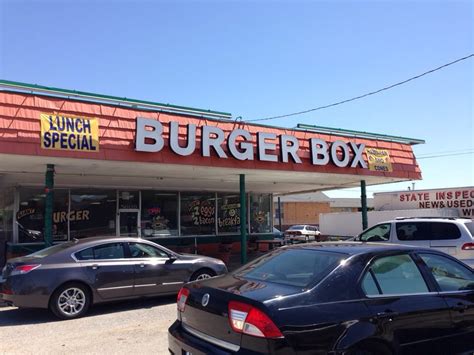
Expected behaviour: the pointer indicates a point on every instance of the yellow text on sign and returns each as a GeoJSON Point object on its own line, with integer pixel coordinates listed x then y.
{"type": "Point", "coordinates": [62, 132]}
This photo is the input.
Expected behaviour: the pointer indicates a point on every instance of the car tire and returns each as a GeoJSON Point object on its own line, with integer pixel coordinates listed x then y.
{"type": "Point", "coordinates": [202, 274]}
{"type": "Point", "coordinates": [71, 300]}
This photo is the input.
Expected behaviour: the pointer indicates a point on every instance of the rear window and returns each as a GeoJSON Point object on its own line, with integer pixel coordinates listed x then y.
{"type": "Point", "coordinates": [427, 231]}
{"type": "Point", "coordinates": [296, 228]}
{"type": "Point", "coordinates": [102, 252]}
{"type": "Point", "coordinates": [470, 227]}
{"type": "Point", "coordinates": [294, 267]}
{"type": "Point", "coordinates": [51, 250]}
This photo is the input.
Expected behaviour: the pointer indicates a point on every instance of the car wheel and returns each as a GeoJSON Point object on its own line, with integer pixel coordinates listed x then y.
{"type": "Point", "coordinates": [70, 301]}
{"type": "Point", "coordinates": [203, 274]}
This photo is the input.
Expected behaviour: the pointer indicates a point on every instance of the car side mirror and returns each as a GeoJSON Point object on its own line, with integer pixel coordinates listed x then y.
{"type": "Point", "coordinates": [172, 259]}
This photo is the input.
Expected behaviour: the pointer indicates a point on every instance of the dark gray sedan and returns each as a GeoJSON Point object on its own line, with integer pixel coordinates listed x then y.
{"type": "Point", "coordinates": [67, 278]}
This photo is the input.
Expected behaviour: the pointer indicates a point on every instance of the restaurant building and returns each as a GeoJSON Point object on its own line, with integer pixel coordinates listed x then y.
{"type": "Point", "coordinates": [76, 164]}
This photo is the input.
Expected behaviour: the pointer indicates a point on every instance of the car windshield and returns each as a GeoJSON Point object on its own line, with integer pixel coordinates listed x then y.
{"type": "Point", "coordinates": [296, 227]}
{"type": "Point", "coordinates": [51, 250]}
{"type": "Point", "coordinates": [293, 267]}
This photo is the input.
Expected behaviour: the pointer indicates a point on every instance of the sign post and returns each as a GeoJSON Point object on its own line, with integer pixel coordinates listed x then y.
{"type": "Point", "coordinates": [48, 208]}
{"type": "Point", "coordinates": [243, 221]}
{"type": "Point", "coordinates": [363, 202]}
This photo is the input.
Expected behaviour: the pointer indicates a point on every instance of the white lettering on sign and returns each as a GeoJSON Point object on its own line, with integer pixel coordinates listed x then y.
{"type": "Point", "coordinates": [246, 147]}
{"type": "Point", "coordinates": [240, 145]}
{"type": "Point", "coordinates": [319, 151]}
{"type": "Point", "coordinates": [174, 139]}
{"type": "Point", "coordinates": [148, 130]}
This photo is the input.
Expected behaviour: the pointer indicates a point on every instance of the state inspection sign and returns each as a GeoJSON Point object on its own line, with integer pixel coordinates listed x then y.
{"type": "Point", "coordinates": [62, 132]}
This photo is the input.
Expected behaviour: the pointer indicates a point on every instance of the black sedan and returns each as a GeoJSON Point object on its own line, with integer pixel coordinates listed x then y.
{"type": "Point", "coordinates": [331, 298]}
{"type": "Point", "coordinates": [67, 278]}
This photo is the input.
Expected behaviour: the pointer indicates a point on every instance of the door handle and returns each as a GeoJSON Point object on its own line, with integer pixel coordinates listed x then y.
{"type": "Point", "coordinates": [141, 265]}
{"type": "Point", "coordinates": [389, 315]}
{"type": "Point", "coordinates": [95, 267]}
{"type": "Point", "coordinates": [460, 307]}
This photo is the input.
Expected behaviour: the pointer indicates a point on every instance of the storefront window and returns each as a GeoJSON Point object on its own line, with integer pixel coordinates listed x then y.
{"type": "Point", "coordinates": [228, 213]}
{"type": "Point", "coordinates": [198, 214]}
{"type": "Point", "coordinates": [6, 220]}
{"type": "Point", "coordinates": [60, 215]}
{"type": "Point", "coordinates": [159, 214]}
{"type": "Point", "coordinates": [260, 213]}
{"type": "Point", "coordinates": [93, 213]}
{"type": "Point", "coordinates": [129, 200]}
{"type": "Point", "coordinates": [30, 215]}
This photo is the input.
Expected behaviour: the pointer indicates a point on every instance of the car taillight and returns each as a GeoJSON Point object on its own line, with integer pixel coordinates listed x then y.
{"type": "Point", "coordinates": [24, 269]}
{"type": "Point", "coordinates": [468, 246]}
{"type": "Point", "coordinates": [182, 298]}
{"type": "Point", "coordinates": [249, 320]}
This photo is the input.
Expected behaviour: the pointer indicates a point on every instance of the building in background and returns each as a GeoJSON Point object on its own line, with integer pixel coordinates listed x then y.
{"type": "Point", "coordinates": [460, 199]}
{"type": "Point", "coordinates": [447, 202]}
{"type": "Point", "coordinates": [305, 208]}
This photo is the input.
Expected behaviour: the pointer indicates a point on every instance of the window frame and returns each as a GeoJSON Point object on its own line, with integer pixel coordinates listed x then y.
{"type": "Point", "coordinates": [390, 224]}
{"type": "Point", "coordinates": [129, 256]}
{"type": "Point", "coordinates": [126, 252]}
{"type": "Point", "coordinates": [430, 225]}
{"type": "Point", "coordinates": [432, 277]}
{"type": "Point", "coordinates": [426, 275]}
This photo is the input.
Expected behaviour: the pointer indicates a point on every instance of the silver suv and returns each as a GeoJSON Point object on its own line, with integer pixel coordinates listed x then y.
{"type": "Point", "coordinates": [451, 235]}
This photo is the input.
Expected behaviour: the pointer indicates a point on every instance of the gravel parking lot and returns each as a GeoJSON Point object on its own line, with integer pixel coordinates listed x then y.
{"type": "Point", "coordinates": [138, 326]}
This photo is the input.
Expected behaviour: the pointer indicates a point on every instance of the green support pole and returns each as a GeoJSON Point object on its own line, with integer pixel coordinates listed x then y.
{"type": "Point", "coordinates": [363, 202]}
{"type": "Point", "coordinates": [48, 206]}
{"type": "Point", "coordinates": [243, 221]}
{"type": "Point", "coordinates": [279, 214]}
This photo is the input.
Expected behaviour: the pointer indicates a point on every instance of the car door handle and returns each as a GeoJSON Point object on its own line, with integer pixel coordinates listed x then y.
{"type": "Point", "coordinates": [386, 315]}
{"type": "Point", "coordinates": [141, 265]}
{"type": "Point", "coordinates": [95, 266]}
{"type": "Point", "coordinates": [460, 307]}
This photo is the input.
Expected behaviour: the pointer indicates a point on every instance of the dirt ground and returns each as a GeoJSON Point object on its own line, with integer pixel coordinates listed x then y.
{"type": "Point", "coordinates": [131, 327]}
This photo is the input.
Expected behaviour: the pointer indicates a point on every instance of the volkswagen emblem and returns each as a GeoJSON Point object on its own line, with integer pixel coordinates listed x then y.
{"type": "Point", "coordinates": [205, 300]}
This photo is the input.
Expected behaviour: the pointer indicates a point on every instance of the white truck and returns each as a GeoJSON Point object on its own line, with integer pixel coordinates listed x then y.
{"type": "Point", "coordinates": [349, 224]}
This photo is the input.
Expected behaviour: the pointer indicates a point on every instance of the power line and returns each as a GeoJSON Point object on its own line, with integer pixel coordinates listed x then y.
{"type": "Point", "coordinates": [444, 155]}
{"type": "Point", "coordinates": [364, 95]}
{"type": "Point", "coordinates": [446, 152]}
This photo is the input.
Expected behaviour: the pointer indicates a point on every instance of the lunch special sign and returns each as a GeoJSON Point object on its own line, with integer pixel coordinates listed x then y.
{"type": "Point", "coordinates": [73, 133]}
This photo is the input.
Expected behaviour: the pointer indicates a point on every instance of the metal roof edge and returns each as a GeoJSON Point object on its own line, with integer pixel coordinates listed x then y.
{"type": "Point", "coordinates": [359, 134]}
{"type": "Point", "coordinates": [109, 98]}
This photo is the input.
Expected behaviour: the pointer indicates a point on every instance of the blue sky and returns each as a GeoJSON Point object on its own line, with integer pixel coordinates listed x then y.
{"type": "Point", "coordinates": [263, 58]}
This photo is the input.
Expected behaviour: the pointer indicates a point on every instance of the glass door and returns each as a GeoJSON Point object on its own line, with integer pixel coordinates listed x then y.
{"type": "Point", "coordinates": [128, 223]}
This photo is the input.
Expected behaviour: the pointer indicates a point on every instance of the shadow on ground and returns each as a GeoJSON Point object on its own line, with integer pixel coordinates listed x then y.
{"type": "Point", "coordinates": [11, 316]}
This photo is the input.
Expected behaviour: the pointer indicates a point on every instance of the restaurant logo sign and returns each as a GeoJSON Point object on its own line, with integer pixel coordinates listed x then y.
{"type": "Point", "coordinates": [379, 160]}
{"type": "Point", "coordinates": [242, 146]}
{"type": "Point", "coordinates": [62, 132]}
